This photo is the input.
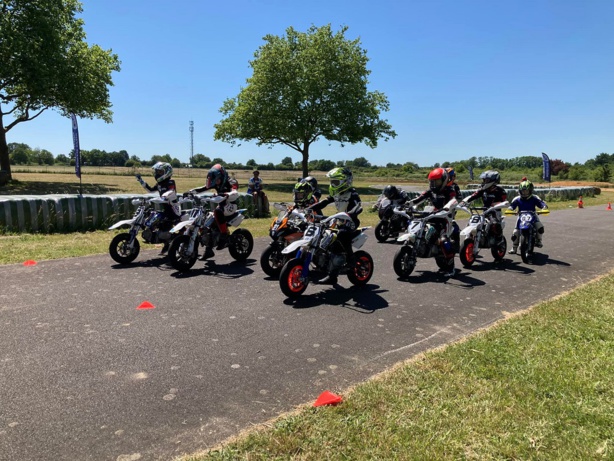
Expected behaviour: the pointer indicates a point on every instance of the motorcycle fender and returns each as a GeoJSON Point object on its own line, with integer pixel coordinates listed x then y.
{"type": "Point", "coordinates": [181, 225]}
{"type": "Point", "coordinates": [469, 231]}
{"type": "Point", "coordinates": [294, 246]}
{"type": "Point", "coordinates": [125, 222]}
{"type": "Point", "coordinates": [407, 237]}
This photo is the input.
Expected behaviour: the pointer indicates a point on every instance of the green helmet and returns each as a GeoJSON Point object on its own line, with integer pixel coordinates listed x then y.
{"type": "Point", "coordinates": [340, 180]}
{"type": "Point", "coordinates": [525, 189]}
{"type": "Point", "coordinates": [303, 191]}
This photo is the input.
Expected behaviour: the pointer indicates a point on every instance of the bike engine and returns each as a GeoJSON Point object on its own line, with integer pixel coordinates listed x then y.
{"type": "Point", "coordinates": [149, 236]}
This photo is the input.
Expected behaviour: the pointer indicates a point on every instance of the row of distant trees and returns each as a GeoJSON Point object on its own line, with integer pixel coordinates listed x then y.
{"type": "Point", "coordinates": [599, 168]}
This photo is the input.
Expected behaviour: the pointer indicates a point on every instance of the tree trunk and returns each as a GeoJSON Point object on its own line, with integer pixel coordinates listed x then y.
{"type": "Point", "coordinates": [5, 164]}
{"type": "Point", "coordinates": [305, 152]}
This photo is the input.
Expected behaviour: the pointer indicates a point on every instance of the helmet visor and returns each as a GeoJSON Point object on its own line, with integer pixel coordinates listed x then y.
{"type": "Point", "coordinates": [336, 182]}
{"type": "Point", "coordinates": [299, 195]}
{"type": "Point", "coordinates": [525, 193]}
{"type": "Point", "coordinates": [436, 183]}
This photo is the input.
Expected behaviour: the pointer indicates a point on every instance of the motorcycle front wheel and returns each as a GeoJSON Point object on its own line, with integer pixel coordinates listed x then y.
{"type": "Point", "coordinates": [382, 231]}
{"type": "Point", "coordinates": [404, 261]}
{"type": "Point", "coordinates": [119, 251]}
{"type": "Point", "coordinates": [526, 246]}
{"type": "Point", "coordinates": [291, 279]}
{"type": "Point", "coordinates": [466, 255]}
{"type": "Point", "coordinates": [361, 268]}
{"type": "Point", "coordinates": [241, 244]}
{"type": "Point", "coordinates": [272, 260]}
{"type": "Point", "coordinates": [178, 254]}
{"type": "Point", "coordinates": [499, 250]}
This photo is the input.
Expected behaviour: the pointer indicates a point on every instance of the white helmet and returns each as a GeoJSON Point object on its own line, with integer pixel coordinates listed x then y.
{"type": "Point", "coordinates": [162, 171]}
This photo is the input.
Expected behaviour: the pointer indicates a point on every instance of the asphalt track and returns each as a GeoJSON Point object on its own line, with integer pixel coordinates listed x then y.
{"type": "Point", "coordinates": [85, 375]}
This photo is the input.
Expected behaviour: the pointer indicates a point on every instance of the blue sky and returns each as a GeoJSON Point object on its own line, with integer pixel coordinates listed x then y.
{"type": "Point", "coordinates": [464, 78]}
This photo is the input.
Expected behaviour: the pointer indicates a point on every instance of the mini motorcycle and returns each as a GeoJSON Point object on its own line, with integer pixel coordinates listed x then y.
{"type": "Point", "coordinates": [423, 240]}
{"type": "Point", "coordinates": [286, 228]}
{"type": "Point", "coordinates": [125, 247]}
{"type": "Point", "coordinates": [391, 224]}
{"type": "Point", "coordinates": [200, 229]}
{"type": "Point", "coordinates": [527, 231]}
{"type": "Point", "coordinates": [314, 255]}
{"type": "Point", "coordinates": [482, 231]}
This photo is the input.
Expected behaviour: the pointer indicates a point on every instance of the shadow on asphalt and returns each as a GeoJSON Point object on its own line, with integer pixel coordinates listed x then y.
{"type": "Point", "coordinates": [159, 261]}
{"type": "Point", "coordinates": [543, 260]}
{"type": "Point", "coordinates": [364, 299]}
{"type": "Point", "coordinates": [461, 279]}
{"type": "Point", "coordinates": [232, 270]}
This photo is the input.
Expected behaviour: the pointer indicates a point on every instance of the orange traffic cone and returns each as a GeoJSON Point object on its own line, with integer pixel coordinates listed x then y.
{"type": "Point", "coordinates": [609, 207]}
{"type": "Point", "coordinates": [580, 203]}
{"type": "Point", "coordinates": [327, 398]}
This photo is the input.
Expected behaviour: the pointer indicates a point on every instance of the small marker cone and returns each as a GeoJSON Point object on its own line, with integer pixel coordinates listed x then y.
{"type": "Point", "coordinates": [29, 262]}
{"type": "Point", "coordinates": [580, 203]}
{"type": "Point", "coordinates": [146, 305]}
{"type": "Point", "coordinates": [327, 398]}
{"type": "Point", "coordinates": [609, 207]}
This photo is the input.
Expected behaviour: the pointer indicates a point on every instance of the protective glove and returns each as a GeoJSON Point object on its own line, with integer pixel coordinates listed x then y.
{"type": "Point", "coordinates": [139, 179]}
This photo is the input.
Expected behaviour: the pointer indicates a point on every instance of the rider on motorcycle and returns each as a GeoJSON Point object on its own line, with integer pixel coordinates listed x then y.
{"type": "Point", "coordinates": [452, 182]}
{"type": "Point", "coordinates": [171, 211]}
{"type": "Point", "coordinates": [304, 194]}
{"type": "Point", "coordinates": [490, 193]}
{"type": "Point", "coordinates": [346, 200]}
{"type": "Point", "coordinates": [442, 197]}
{"type": "Point", "coordinates": [526, 201]}
{"type": "Point", "coordinates": [396, 196]}
{"type": "Point", "coordinates": [218, 179]}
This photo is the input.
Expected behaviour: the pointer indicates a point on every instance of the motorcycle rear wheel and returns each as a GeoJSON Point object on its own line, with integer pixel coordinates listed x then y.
{"type": "Point", "coordinates": [404, 262]}
{"type": "Point", "coordinates": [119, 251]}
{"type": "Point", "coordinates": [177, 253]}
{"type": "Point", "coordinates": [361, 268]}
{"type": "Point", "coordinates": [444, 263]}
{"type": "Point", "coordinates": [290, 279]}
{"type": "Point", "coordinates": [382, 231]}
{"type": "Point", "coordinates": [466, 255]}
{"type": "Point", "coordinates": [499, 250]}
{"type": "Point", "coordinates": [241, 244]}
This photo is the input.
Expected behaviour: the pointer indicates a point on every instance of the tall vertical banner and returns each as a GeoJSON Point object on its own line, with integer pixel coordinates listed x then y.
{"type": "Point", "coordinates": [75, 141]}
{"type": "Point", "coordinates": [470, 172]}
{"type": "Point", "coordinates": [546, 167]}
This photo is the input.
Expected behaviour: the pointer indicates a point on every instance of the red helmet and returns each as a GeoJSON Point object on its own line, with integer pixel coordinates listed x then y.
{"type": "Point", "coordinates": [438, 179]}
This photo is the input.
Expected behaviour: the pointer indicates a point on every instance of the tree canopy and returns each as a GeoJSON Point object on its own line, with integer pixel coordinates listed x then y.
{"type": "Point", "coordinates": [306, 86]}
{"type": "Point", "coordinates": [45, 63]}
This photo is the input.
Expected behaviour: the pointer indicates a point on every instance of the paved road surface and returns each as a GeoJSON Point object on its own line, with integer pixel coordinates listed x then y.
{"type": "Point", "coordinates": [85, 375]}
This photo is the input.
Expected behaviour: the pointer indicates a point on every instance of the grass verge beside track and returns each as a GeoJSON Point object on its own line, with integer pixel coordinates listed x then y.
{"type": "Point", "coordinates": [536, 386]}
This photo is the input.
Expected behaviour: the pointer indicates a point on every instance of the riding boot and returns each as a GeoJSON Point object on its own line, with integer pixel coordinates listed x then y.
{"type": "Point", "coordinates": [207, 254]}
{"type": "Point", "coordinates": [514, 250]}
{"type": "Point", "coordinates": [164, 249]}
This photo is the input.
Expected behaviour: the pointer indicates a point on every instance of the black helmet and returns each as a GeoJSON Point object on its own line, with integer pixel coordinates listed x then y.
{"type": "Point", "coordinates": [390, 192]}
{"type": "Point", "coordinates": [162, 171]}
{"type": "Point", "coordinates": [490, 178]}
{"type": "Point", "coordinates": [311, 180]}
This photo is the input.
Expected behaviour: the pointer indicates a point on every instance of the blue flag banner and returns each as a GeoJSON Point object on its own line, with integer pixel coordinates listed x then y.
{"type": "Point", "coordinates": [75, 140]}
{"type": "Point", "coordinates": [546, 175]}
{"type": "Point", "coordinates": [470, 172]}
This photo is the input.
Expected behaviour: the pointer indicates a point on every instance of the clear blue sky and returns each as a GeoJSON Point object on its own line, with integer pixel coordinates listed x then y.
{"type": "Point", "coordinates": [464, 78]}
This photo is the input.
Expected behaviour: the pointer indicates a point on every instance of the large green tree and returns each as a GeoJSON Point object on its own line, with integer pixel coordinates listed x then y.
{"type": "Point", "coordinates": [306, 86]}
{"type": "Point", "coordinates": [45, 63]}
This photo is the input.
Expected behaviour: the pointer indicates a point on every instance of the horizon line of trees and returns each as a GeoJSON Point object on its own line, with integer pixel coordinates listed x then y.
{"type": "Point", "coordinates": [598, 168]}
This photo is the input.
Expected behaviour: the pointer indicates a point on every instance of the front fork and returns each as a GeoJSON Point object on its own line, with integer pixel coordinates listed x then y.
{"type": "Point", "coordinates": [306, 263]}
